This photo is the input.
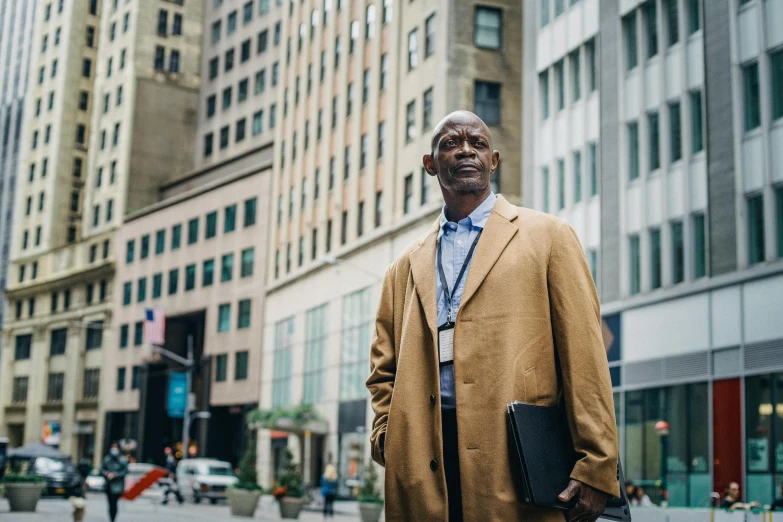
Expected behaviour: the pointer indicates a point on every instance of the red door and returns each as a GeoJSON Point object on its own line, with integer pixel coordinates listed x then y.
{"type": "Point", "coordinates": [727, 434]}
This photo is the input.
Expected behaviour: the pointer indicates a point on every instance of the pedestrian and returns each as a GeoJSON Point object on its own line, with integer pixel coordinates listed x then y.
{"type": "Point", "coordinates": [329, 489]}
{"type": "Point", "coordinates": [114, 468]}
{"type": "Point", "coordinates": [732, 499]}
{"type": "Point", "coordinates": [640, 498]}
{"type": "Point", "coordinates": [495, 303]}
{"type": "Point", "coordinates": [172, 487]}
{"type": "Point", "coordinates": [84, 468]}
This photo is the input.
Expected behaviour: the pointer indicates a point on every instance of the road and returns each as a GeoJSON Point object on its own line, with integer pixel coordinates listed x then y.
{"type": "Point", "coordinates": [150, 510]}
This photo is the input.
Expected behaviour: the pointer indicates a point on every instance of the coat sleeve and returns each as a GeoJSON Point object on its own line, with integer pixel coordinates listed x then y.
{"type": "Point", "coordinates": [383, 365]}
{"type": "Point", "coordinates": [587, 388]}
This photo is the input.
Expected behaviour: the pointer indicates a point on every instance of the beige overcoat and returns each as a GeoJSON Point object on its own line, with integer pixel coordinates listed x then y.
{"type": "Point", "coordinates": [529, 296]}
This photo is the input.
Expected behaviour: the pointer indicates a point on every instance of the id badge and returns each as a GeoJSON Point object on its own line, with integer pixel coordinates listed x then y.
{"type": "Point", "coordinates": [446, 344]}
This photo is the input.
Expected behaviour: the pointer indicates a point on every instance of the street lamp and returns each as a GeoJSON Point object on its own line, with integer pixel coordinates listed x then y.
{"type": "Point", "coordinates": [662, 428]}
{"type": "Point", "coordinates": [188, 363]}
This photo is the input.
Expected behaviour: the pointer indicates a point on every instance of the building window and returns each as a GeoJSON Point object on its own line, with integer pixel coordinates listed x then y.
{"type": "Point", "coordinates": [54, 388]}
{"type": "Point", "coordinates": [208, 272]}
{"type": "Point", "coordinates": [655, 140]}
{"type": "Point", "coordinates": [487, 31]}
{"type": "Point", "coordinates": [214, 66]}
{"type": "Point", "coordinates": [694, 21]}
{"type": "Point", "coordinates": [315, 354]}
{"type": "Point", "coordinates": [429, 36]}
{"type": "Point", "coordinates": [192, 231]}
{"type": "Point", "coordinates": [160, 58]}
{"type": "Point", "coordinates": [776, 66]}
{"type": "Point", "coordinates": [635, 265]}
{"type": "Point", "coordinates": [655, 258]}
{"type": "Point", "coordinates": [228, 62]}
{"type": "Point", "coordinates": [487, 102]}
{"type": "Point", "coordinates": [756, 253]}
{"type": "Point", "coordinates": [141, 290]}
{"type": "Point", "coordinates": [248, 256]}
{"type": "Point", "coordinates": [221, 367]}
{"type": "Point", "coordinates": [633, 151]}
{"type": "Point", "coordinates": [384, 71]}
{"type": "Point", "coordinates": [190, 277]}
{"type": "Point", "coordinates": [629, 33]}
{"type": "Point", "coordinates": [355, 336]}
{"type": "Point", "coordinates": [229, 219]}
{"type": "Point", "coordinates": [560, 77]}
{"type": "Point", "coordinates": [543, 88]}
{"type": "Point", "coordinates": [127, 292]}
{"type": "Point", "coordinates": [124, 336]}
{"type": "Point", "coordinates": [243, 317]}
{"type": "Point", "coordinates": [675, 131]}
{"type": "Point", "coordinates": [224, 317]}
{"type": "Point", "coordinates": [136, 377]}
{"type": "Point", "coordinates": [427, 109]}
{"type": "Point", "coordinates": [651, 28]}
{"type": "Point", "coordinates": [576, 75]}
{"type": "Point", "coordinates": [174, 61]}
{"type": "Point", "coordinates": [561, 196]}
{"type": "Point", "coordinates": [121, 378]}
{"type": "Point", "coordinates": [672, 21]}
{"type": "Point", "coordinates": [413, 49]}
{"type": "Point", "coordinates": [224, 137]}
{"type": "Point", "coordinates": [22, 346]}
{"type": "Point", "coordinates": [57, 341]}
{"type": "Point", "coordinates": [343, 233]}
{"type": "Point", "coordinates": [678, 253]}
{"type": "Point", "coordinates": [160, 241]}
{"type": "Point", "coordinates": [208, 138]}
{"type": "Point", "coordinates": [145, 246]}
{"type": "Point", "coordinates": [577, 176]}
{"type": "Point", "coordinates": [20, 390]}
{"type": "Point", "coordinates": [94, 335]}
{"type": "Point", "coordinates": [697, 135]}
{"type": "Point", "coordinates": [176, 236]}
{"type": "Point", "coordinates": [91, 382]}
{"type": "Point", "coordinates": [250, 212]}
{"type": "Point", "coordinates": [545, 189]}
{"type": "Point", "coordinates": [282, 365]}
{"type": "Point", "coordinates": [750, 75]}
{"type": "Point", "coordinates": [176, 26]}
{"type": "Point", "coordinates": [173, 281]}
{"type": "Point", "coordinates": [157, 285]}
{"type": "Point", "coordinates": [226, 268]}
{"type": "Point", "coordinates": [699, 246]}
{"type": "Point", "coordinates": [163, 20]}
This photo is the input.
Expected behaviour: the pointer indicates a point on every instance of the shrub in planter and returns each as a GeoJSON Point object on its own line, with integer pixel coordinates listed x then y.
{"type": "Point", "coordinates": [370, 500]}
{"type": "Point", "coordinates": [23, 490]}
{"type": "Point", "coordinates": [289, 490]}
{"type": "Point", "coordinates": [243, 496]}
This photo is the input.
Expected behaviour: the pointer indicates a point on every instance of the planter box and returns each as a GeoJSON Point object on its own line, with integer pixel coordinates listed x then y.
{"type": "Point", "coordinates": [291, 507]}
{"type": "Point", "coordinates": [23, 496]}
{"type": "Point", "coordinates": [370, 511]}
{"type": "Point", "coordinates": [243, 502]}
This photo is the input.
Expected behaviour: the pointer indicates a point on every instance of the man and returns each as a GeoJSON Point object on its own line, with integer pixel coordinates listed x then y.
{"type": "Point", "coordinates": [732, 500]}
{"type": "Point", "coordinates": [114, 467]}
{"type": "Point", "coordinates": [450, 351]}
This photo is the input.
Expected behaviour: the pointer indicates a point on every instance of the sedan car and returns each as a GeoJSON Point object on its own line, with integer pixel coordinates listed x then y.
{"type": "Point", "coordinates": [62, 477]}
{"type": "Point", "coordinates": [95, 481]}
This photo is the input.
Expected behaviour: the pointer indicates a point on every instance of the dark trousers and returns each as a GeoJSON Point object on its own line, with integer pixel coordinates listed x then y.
{"type": "Point", "coordinates": [113, 499]}
{"type": "Point", "coordinates": [329, 504]}
{"type": "Point", "coordinates": [451, 464]}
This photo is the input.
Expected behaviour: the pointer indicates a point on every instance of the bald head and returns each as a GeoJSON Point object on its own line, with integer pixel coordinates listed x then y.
{"type": "Point", "coordinates": [458, 118]}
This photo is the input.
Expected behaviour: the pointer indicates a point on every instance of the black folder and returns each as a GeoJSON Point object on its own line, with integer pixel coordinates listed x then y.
{"type": "Point", "coordinates": [543, 457]}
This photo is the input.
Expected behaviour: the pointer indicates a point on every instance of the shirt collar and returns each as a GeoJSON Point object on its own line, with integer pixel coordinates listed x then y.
{"type": "Point", "coordinates": [477, 219]}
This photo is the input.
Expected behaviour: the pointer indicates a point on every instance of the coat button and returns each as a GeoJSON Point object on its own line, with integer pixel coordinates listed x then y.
{"type": "Point", "coordinates": [433, 465]}
{"type": "Point", "coordinates": [432, 400]}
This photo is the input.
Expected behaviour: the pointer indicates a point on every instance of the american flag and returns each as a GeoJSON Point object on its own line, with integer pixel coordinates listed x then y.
{"type": "Point", "coordinates": [154, 326]}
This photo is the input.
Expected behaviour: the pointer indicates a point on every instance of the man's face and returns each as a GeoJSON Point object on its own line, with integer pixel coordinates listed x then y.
{"type": "Point", "coordinates": [462, 155]}
{"type": "Point", "coordinates": [734, 489]}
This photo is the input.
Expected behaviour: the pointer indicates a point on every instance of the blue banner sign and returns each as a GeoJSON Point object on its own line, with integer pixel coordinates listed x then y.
{"type": "Point", "coordinates": [177, 394]}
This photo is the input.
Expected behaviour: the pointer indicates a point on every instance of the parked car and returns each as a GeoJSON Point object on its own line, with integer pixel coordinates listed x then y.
{"type": "Point", "coordinates": [205, 478]}
{"type": "Point", "coordinates": [95, 481]}
{"type": "Point", "coordinates": [62, 477]}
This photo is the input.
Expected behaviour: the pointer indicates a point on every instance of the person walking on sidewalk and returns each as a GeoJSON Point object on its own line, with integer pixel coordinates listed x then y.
{"type": "Point", "coordinates": [114, 467]}
{"type": "Point", "coordinates": [329, 489]}
{"type": "Point", "coordinates": [495, 303]}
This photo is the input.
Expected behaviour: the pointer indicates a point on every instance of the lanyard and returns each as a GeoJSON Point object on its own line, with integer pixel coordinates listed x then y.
{"type": "Point", "coordinates": [450, 295]}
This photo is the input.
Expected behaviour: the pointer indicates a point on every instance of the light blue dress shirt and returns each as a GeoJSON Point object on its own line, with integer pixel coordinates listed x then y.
{"type": "Point", "coordinates": [455, 240]}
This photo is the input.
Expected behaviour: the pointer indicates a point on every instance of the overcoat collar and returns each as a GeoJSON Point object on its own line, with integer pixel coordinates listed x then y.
{"type": "Point", "coordinates": [497, 233]}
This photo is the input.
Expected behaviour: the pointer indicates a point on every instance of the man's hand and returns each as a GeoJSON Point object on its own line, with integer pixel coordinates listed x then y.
{"type": "Point", "coordinates": [590, 503]}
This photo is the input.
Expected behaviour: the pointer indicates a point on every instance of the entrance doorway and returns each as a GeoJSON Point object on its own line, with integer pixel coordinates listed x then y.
{"type": "Point", "coordinates": [727, 434]}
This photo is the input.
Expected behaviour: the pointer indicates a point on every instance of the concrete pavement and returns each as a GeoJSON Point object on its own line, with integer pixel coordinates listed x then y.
{"type": "Point", "coordinates": [150, 510]}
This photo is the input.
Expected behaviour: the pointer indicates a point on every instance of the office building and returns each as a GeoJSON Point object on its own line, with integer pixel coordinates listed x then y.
{"type": "Point", "coordinates": [198, 253]}
{"type": "Point", "coordinates": [656, 133]}
{"type": "Point", "coordinates": [110, 114]}
{"type": "Point", "coordinates": [362, 85]}
{"type": "Point", "coordinates": [16, 20]}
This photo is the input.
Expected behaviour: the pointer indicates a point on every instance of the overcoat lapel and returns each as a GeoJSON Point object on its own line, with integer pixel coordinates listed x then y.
{"type": "Point", "coordinates": [497, 233]}
{"type": "Point", "coordinates": [423, 269]}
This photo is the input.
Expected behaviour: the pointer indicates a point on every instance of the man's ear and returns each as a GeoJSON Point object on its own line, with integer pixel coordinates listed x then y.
{"type": "Point", "coordinates": [429, 164]}
{"type": "Point", "coordinates": [495, 160]}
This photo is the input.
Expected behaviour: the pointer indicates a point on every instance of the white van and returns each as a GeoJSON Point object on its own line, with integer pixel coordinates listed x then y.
{"type": "Point", "coordinates": [204, 478]}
